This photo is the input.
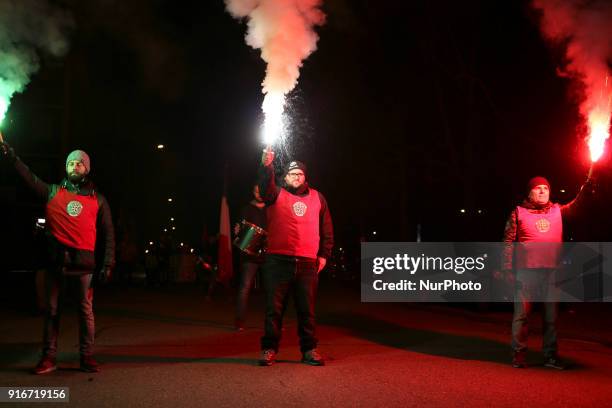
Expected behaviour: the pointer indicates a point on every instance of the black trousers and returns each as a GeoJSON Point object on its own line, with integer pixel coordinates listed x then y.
{"type": "Point", "coordinates": [535, 285]}
{"type": "Point", "coordinates": [56, 284]}
{"type": "Point", "coordinates": [285, 276]}
{"type": "Point", "coordinates": [248, 271]}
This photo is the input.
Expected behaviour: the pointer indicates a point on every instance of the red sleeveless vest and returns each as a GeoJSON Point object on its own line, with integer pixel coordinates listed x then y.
{"type": "Point", "coordinates": [540, 235]}
{"type": "Point", "coordinates": [293, 224]}
{"type": "Point", "coordinates": [72, 219]}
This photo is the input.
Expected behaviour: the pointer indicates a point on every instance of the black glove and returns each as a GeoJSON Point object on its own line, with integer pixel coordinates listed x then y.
{"type": "Point", "coordinates": [105, 275]}
{"type": "Point", "coordinates": [7, 151]}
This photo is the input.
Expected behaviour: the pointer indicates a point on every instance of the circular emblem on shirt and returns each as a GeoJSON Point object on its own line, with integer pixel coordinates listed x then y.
{"type": "Point", "coordinates": [543, 225]}
{"type": "Point", "coordinates": [299, 209]}
{"type": "Point", "coordinates": [74, 208]}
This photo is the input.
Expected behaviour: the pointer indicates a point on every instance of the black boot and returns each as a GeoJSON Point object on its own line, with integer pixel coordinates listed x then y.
{"type": "Point", "coordinates": [519, 359]}
{"type": "Point", "coordinates": [89, 364]}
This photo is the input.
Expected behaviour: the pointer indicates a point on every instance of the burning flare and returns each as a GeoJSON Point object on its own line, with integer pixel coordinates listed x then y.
{"type": "Point", "coordinates": [274, 122]}
{"type": "Point", "coordinates": [3, 108]}
{"type": "Point", "coordinates": [599, 131]}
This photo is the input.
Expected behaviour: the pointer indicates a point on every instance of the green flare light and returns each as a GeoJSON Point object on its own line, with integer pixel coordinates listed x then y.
{"type": "Point", "coordinates": [3, 108]}
{"type": "Point", "coordinates": [7, 89]}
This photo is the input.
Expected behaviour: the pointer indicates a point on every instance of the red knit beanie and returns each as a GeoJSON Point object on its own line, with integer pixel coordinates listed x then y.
{"type": "Point", "coordinates": [536, 181]}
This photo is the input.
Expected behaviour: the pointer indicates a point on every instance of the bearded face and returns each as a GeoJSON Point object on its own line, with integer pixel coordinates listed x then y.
{"type": "Point", "coordinates": [295, 178]}
{"type": "Point", "coordinates": [75, 171]}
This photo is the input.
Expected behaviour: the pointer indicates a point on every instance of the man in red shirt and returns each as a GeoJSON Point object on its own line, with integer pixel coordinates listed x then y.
{"type": "Point", "coordinates": [76, 213]}
{"type": "Point", "coordinates": [300, 240]}
{"type": "Point", "coordinates": [537, 223]}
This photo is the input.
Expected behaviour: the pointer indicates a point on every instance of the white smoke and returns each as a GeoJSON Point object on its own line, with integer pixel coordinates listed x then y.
{"type": "Point", "coordinates": [283, 31]}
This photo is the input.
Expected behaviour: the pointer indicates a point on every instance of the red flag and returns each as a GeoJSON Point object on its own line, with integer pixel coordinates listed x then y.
{"type": "Point", "coordinates": [226, 271]}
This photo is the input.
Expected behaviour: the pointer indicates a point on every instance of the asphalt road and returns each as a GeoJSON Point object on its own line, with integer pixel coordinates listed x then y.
{"type": "Point", "coordinates": [168, 347]}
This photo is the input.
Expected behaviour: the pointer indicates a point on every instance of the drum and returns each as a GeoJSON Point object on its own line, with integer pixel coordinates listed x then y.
{"type": "Point", "coordinates": [251, 239]}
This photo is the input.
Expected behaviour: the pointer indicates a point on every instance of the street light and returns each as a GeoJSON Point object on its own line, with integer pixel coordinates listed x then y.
{"type": "Point", "coordinates": [160, 147]}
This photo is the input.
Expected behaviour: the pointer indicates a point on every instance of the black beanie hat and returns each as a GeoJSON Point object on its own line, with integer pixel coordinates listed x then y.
{"type": "Point", "coordinates": [294, 164]}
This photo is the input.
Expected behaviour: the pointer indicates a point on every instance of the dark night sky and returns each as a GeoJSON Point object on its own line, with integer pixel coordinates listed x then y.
{"type": "Point", "coordinates": [407, 112]}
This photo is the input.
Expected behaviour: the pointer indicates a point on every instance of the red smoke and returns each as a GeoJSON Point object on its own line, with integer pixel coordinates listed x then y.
{"type": "Point", "coordinates": [584, 28]}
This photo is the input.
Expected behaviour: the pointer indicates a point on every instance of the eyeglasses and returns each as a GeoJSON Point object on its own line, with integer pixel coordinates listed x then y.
{"type": "Point", "coordinates": [295, 174]}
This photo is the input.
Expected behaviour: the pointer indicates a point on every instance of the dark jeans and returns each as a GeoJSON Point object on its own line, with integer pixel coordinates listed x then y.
{"type": "Point", "coordinates": [284, 276]}
{"type": "Point", "coordinates": [535, 284]}
{"type": "Point", "coordinates": [248, 271]}
{"type": "Point", "coordinates": [56, 284]}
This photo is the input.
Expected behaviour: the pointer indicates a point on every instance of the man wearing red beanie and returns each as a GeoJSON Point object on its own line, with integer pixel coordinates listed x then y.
{"type": "Point", "coordinates": [540, 221]}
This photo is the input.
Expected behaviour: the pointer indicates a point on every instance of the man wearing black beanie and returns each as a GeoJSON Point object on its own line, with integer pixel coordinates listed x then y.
{"type": "Point", "coordinates": [300, 240]}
